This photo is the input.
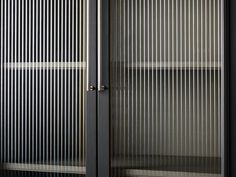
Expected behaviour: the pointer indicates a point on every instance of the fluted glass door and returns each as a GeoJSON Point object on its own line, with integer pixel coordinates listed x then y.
{"type": "Point", "coordinates": [43, 50]}
{"type": "Point", "coordinates": [166, 101]}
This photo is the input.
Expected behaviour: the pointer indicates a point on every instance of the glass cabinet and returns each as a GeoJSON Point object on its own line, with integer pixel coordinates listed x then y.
{"type": "Point", "coordinates": [44, 87]}
{"type": "Point", "coordinates": [166, 68]}
{"type": "Point", "coordinates": [114, 88]}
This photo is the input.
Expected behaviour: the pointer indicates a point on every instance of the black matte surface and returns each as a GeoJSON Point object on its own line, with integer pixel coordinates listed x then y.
{"type": "Point", "coordinates": [103, 99]}
{"type": "Point", "coordinates": [231, 58]}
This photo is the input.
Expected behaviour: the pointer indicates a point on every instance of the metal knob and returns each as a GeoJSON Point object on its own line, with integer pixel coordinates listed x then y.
{"type": "Point", "coordinates": [101, 88]}
{"type": "Point", "coordinates": [91, 87]}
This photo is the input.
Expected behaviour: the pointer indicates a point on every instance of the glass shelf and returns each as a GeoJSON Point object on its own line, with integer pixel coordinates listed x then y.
{"type": "Point", "coordinates": [45, 65]}
{"type": "Point", "coordinates": [154, 173]}
{"type": "Point", "coordinates": [44, 168]}
{"type": "Point", "coordinates": [154, 166]}
{"type": "Point", "coordinates": [173, 65]}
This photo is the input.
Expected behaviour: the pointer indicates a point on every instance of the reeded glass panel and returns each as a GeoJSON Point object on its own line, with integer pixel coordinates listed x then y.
{"type": "Point", "coordinates": [166, 87]}
{"type": "Point", "coordinates": [42, 93]}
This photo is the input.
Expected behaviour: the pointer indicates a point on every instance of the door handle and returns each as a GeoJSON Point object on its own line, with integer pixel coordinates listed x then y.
{"type": "Point", "coordinates": [90, 46]}
{"type": "Point", "coordinates": [101, 87]}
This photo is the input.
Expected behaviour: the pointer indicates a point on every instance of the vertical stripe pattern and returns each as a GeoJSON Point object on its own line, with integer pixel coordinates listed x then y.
{"type": "Point", "coordinates": [42, 93]}
{"type": "Point", "coordinates": [166, 79]}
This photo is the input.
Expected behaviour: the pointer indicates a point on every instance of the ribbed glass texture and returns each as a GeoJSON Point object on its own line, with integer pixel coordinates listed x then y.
{"type": "Point", "coordinates": [42, 92]}
{"type": "Point", "coordinates": [166, 88]}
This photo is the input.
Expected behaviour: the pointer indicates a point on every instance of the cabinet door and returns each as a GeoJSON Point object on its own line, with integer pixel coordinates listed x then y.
{"type": "Point", "coordinates": [166, 90]}
{"type": "Point", "coordinates": [45, 50]}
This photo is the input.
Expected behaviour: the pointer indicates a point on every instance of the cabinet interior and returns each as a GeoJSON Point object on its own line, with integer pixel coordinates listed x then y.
{"type": "Point", "coordinates": [166, 87]}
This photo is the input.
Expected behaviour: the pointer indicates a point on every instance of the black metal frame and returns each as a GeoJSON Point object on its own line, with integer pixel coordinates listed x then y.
{"type": "Point", "coordinates": [230, 81]}
{"type": "Point", "coordinates": [229, 142]}
{"type": "Point", "coordinates": [103, 98]}
{"type": "Point", "coordinates": [91, 109]}
{"type": "Point", "coordinates": [226, 162]}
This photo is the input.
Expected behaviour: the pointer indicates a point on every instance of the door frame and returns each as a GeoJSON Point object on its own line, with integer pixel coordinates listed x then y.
{"type": "Point", "coordinates": [104, 95]}
{"type": "Point", "coordinates": [228, 124]}
{"type": "Point", "coordinates": [91, 101]}
{"type": "Point", "coordinates": [230, 56]}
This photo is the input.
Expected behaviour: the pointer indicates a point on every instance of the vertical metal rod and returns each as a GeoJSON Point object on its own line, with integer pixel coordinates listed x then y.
{"type": "Point", "coordinates": [100, 86]}
{"type": "Point", "coordinates": [83, 85]}
{"type": "Point", "coordinates": [84, 57]}
{"type": "Point", "coordinates": [222, 86]}
{"type": "Point", "coordinates": [2, 72]}
{"type": "Point", "coordinates": [218, 82]}
{"type": "Point", "coordinates": [87, 24]}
